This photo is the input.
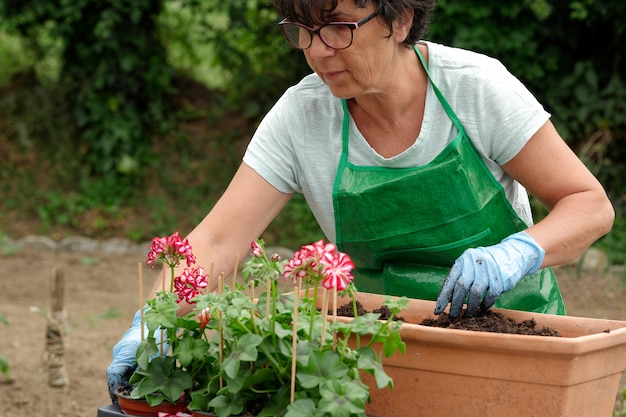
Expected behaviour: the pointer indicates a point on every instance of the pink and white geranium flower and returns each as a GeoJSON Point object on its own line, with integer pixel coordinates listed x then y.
{"type": "Point", "coordinates": [321, 261]}
{"type": "Point", "coordinates": [171, 250]}
{"type": "Point", "coordinates": [190, 284]}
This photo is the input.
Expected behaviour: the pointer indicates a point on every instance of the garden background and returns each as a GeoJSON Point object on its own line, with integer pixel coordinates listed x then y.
{"type": "Point", "coordinates": [127, 118]}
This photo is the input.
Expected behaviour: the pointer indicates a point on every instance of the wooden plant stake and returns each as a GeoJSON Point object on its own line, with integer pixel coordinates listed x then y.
{"type": "Point", "coordinates": [140, 272]}
{"type": "Point", "coordinates": [141, 307]}
{"type": "Point", "coordinates": [334, 316]}
{"type": "Point", "coordinates": [211, 270]}
{"type": "Point", "coordinates": [324, 314]}
{"type": "Point", "coordinates": [56, 332]}
{"type": "Point", "coordinates": [220, 290]}
{"type": "Point", "coordinates": [294, 343]}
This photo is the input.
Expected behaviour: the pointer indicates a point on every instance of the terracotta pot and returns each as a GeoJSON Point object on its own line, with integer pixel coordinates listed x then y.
{"type": "Point", "coordinates": [447, 372]}
{"type": "Point", "coordinates": [138, 407]}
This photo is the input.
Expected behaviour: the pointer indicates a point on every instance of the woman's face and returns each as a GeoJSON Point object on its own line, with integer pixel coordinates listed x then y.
{"type": "Point", "coordinates": [365, 65]}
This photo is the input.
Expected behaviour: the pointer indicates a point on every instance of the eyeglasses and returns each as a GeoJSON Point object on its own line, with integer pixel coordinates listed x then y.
{"type": "Point", "coordinates": [335, 35]}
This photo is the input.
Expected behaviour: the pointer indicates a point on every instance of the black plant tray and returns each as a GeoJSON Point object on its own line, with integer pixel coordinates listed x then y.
{"type": "Point", "coordinates": [110, 411]}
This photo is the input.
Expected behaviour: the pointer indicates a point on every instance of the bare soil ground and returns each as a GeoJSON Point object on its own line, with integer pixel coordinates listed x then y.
{"type": "Point", "coordinates": [101, 295]}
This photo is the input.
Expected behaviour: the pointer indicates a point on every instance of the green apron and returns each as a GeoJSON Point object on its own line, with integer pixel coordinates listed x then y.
{"type": "Point", "coordinates": [405, 227]}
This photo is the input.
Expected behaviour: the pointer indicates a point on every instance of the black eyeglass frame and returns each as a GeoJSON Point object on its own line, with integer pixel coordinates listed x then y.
{"type": "Point", "coordinates": [352, 25]}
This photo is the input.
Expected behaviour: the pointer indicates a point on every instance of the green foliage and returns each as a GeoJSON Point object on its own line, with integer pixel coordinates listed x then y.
{"type": "Point", "coordinates": [166, 378]}
{"type": "Point", "coordinates": [115, 70]}
{"type": "Point", "coordinates": [570, 54]}
{"type": "Point", "coordinates": [257, 358]}
{"type": "Point", "coordinates": [4, 368]}
{"type": "Point", "coordinates": [249, 47]}
{"type": "Point", "coordinates": [4, 362]}
{"type": "Point", "coordinates": [96, 88]}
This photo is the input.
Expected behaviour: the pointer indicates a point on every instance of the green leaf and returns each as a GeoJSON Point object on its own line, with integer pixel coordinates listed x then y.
{"type": "Point", "coordinates": [244, 350]}
{"type": "Point", "coordinates": [322, 366]}
{"type": "Point", "coordinates": [147, 348]}
{"type": "Point", "coordinates": [393, 343]}
{"type": "Point", "coordinates": [369, 363]}
{"type": "Point", "coordinates": [343, 398]}
{"type": "Point", "coordinates": [199, 400]}
{"type": "Point", "coordinates": [162, 312]}
{"type": "Point", "coordinates": [248, 344]}
{"type": "Point", "coordinates": [277, 403]}
{"type": "Point", "coordinates": [226, 406]}
{"type": "Point", "coordinates": [301, 408]}
{"type": "Point", "coordinates": [162, 377]}
{"type": "Point", "coordinates": [190, 349]}
{"type": "Point", "coordinates": [366, 324]}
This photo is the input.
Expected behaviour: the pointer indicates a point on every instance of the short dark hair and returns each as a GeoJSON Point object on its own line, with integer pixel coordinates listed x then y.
{"type": "Point", "coordinates": [312, 12]}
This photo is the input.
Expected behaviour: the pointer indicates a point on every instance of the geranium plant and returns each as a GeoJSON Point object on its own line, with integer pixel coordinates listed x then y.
{"type": "Point", "coordinates": [249, 348]}
{"type": "Point", "coordinates": [273, 354]}
{"type": "Point", "coordinates": [170, 377]}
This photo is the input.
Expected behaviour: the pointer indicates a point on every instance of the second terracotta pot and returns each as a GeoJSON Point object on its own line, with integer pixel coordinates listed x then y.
{"type": "Point", "coordinates": [451, 373]}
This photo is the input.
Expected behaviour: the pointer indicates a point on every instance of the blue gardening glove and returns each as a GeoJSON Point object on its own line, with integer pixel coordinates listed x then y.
{"type": "Point", "coordinates": [124, 352]}
{"type": "Point", "coordinates": [489, 272]}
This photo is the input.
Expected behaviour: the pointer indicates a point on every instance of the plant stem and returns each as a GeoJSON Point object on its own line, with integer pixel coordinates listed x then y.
{"type": "Point", "coordinates": [313, 309]}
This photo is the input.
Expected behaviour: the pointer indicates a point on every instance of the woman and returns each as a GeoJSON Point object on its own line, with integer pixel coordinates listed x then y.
{"type": "Point", "coordinates": [415, 159]}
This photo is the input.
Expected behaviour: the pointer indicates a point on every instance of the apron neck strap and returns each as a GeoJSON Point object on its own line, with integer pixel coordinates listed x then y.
{"type": "Point", "coordinates": [444, 103]}
{"type": "Point", "coordinates": [345, 132]}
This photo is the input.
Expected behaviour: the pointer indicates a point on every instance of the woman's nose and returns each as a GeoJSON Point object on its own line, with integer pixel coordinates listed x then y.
{"type": "Point", "coordinates": [319, 49]}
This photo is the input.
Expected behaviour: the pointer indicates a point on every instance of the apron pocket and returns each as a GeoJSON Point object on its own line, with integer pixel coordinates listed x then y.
{"type": "Point", "coordinates": [439, 256]}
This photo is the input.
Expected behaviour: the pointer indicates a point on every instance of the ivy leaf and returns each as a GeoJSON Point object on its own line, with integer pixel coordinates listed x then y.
{"type": "Point", "coordinates": [189, 349]}
{"type": "Point", "coordinates": [301, 408]}
{"type": "Point", "coordinates": [226, 406]}
{"type": "Point", "coordinates": [163, 378]}
{"type": "Point", "coordinates": [277, 403]}
{"type": "Point", "coordinates": [392, 343]}
{"type": "Point", "coordinates": [147, 348]}
{"type": "Point", "coordinates": [369, 363]}
{"type": "Point", "coordinates": [248, 344]}
{"type": "Point", "coordinates": [245, 349]}
{"type": "Point", "coordinates": [342, 398]}
{"type": "Point", "coordinates": [366, 324]}
{"type": "Point", "coordinates": [322, 366]}
{"type": "Point", "coordinates": [162, 312]}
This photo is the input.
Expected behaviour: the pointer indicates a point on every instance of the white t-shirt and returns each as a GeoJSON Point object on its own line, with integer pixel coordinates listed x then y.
{"type": "Point", "coordinates": [297, 146]}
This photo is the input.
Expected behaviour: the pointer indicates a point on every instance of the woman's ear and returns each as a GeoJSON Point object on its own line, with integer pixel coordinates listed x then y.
{"type": "Point", "coordinates": [402, 26]}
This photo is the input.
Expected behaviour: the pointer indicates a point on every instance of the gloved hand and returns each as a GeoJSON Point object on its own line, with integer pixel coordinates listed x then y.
{"type": "Point", "coordinates": [489, 272]}
{"type": "Point", "coordinates": [124, 352]}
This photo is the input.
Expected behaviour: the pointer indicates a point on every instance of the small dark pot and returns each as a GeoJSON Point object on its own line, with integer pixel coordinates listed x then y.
{"type": "Point", "coordinates": [141, 407]}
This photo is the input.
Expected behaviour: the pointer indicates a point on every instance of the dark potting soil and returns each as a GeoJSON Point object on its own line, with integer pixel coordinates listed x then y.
{"type": "Point", "coordinates": [486, 321]}
{"type": "Point", "coordinates": [490, 321]}
{"type": "Point", "coordinates": [347, 310]}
